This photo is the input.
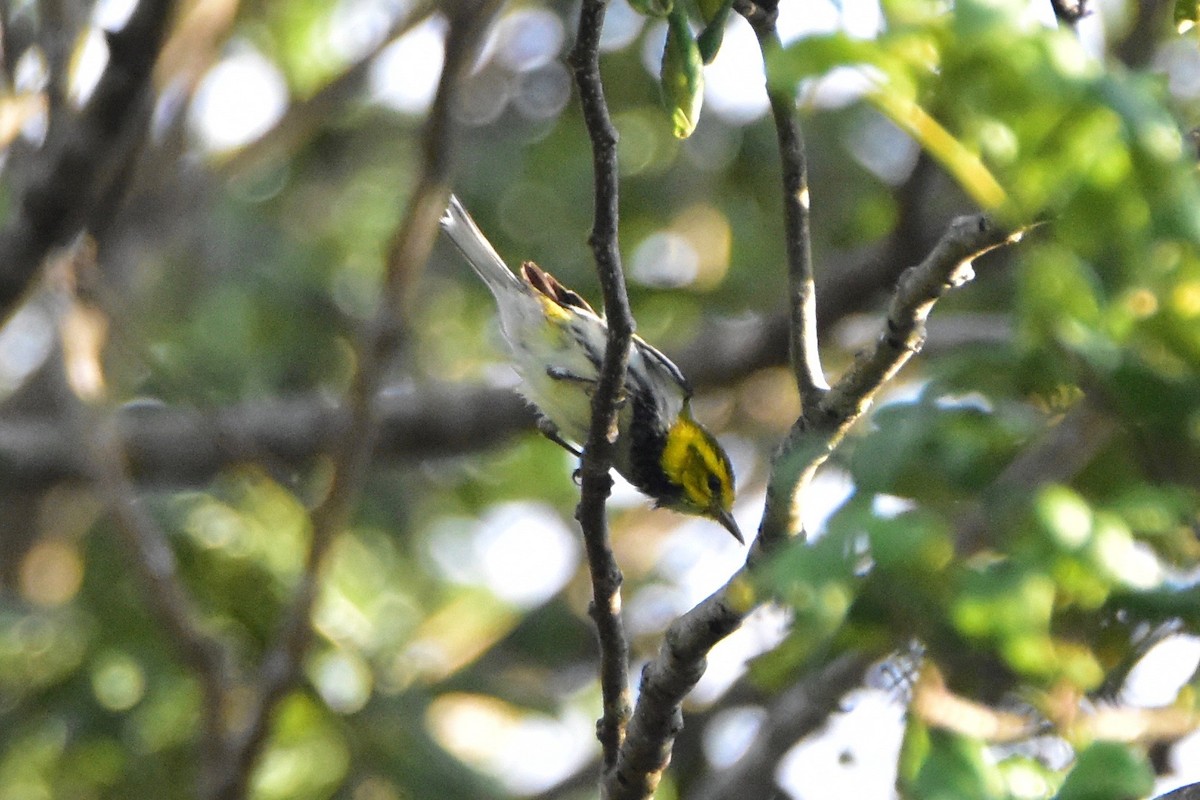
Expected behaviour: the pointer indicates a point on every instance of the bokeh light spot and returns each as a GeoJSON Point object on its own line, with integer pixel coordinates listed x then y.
{"type": "Point", "coordinates": [405, 75]}
{"type": "Point", "coordinates": [118, 681]}
{"type": "Point", "coordinates": [343, 681]}
{"type": "Point", "coordinates": [238, 100]}
{"type": "Point", "coordinates": [665, 259]}
{"type": "Point", "coordinates": [51, 573]}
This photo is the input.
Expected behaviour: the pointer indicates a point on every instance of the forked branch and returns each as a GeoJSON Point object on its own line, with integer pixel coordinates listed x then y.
{"type": "Point", "coordinates": [681, 660]}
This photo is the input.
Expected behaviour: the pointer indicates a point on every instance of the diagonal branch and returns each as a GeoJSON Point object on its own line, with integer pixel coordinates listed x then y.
{"type": "Point", "coordinates": [819, 430]}
{"type": "Point", "coordinates": [596, 482]}
{"type": "Point", "coordinates": [947, 267]}
{"type": "Point", "coordinates": [680, 662]}
{"type": "Point", "coordinates": [72, 178]}
{"type": "Point", "coordinates": [280, 668]}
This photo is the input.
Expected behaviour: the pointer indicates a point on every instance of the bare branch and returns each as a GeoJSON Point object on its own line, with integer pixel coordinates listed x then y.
{"type": "Point", "coordinates": [169, 446]}
{"type": "Point", "coordinates": [802, 293]}
{"type": "Point", "coordinates": [820, 430]}
{"type": "Point", "coordinates": [681, 659]}
{"type": "Point", "coordinates": [410, 249]}
{"type": "Point", "coordinates": [596, 483]}
{"type": "Point", "coordinates": [84, 154]}
{"type": "Point", "coordinates": [947, 267]}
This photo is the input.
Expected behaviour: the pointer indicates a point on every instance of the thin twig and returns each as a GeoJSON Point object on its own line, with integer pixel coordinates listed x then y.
{"type": "Point", "coordinates": [410, 248]}
{"type": "Point", "coordinates": [802, 293]}
{"type": "Point", "coordinates": [72, 177]}
{"type": "Point", "coordinates": [947, 267]}
{"type": "Point", "coordinates": [595, 483]}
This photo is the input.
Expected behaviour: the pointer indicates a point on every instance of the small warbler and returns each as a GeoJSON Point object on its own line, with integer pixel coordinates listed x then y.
{"type": "Point", "coordinates": [558, 342]}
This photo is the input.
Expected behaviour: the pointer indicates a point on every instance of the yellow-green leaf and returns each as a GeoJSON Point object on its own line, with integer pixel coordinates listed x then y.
{"type": "Point", "coordinates": [682, 75]}
{"type": "Point", "coordinates": [652, 8]}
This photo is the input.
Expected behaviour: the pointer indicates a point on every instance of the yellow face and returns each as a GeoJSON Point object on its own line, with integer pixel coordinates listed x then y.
{"type": "Point", "coordinates": [694, 461]}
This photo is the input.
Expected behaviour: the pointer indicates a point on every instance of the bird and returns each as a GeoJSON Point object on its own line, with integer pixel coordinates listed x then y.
{"type": "Point", "coordinates": [557, 342]}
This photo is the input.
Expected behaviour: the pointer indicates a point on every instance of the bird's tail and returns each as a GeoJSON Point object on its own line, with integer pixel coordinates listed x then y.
{"type": "Point", "coordinates": [480, 254]}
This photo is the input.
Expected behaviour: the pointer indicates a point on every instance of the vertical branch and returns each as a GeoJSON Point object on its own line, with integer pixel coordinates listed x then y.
{"type": "Point", "coordinates": [801, 453]}
{"type": "Point", "coordinates": [802, 294]}
{"type": "Point", "coordinates": [598, 455]}
{"type": "Point", "coordinates": [280, 669]}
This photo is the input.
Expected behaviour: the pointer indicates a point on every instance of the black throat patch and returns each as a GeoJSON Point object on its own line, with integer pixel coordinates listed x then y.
{"type": "Point", "coordinates": [648, 439]}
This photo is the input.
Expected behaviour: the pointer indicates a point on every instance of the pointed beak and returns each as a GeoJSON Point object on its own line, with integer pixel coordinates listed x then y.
{"type": "Point", "coordinates": [726, 519]}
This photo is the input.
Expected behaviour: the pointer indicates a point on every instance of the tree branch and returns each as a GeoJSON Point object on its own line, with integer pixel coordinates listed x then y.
{"type": "Point", "coordinates": [168, 446]}
{"type": "Point", "coordinates": [596, 483]}
{"type": "Point", "coordinates": [820, 430]}
{"type": "Point", "coordinates": [681, 660]}
{"type": "Point", "coordinates": [947, 267]}
{"type": "Point", "coordinates": [410, 248]}
{"type": "Point", "coordinates": [802, 293]}
{"type": "Point", "coordinates": [83, 154]}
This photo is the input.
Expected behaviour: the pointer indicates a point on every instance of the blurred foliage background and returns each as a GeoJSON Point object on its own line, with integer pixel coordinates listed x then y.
{"type": "Point", "coordinates": [1017, 519]}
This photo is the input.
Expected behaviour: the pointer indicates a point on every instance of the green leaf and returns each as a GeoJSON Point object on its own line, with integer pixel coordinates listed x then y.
{"type": "Point", "coordinates": [1186, 11]}
{"type": "Point", "coordinates": [915, 543]}
{"type": "Point", "coordinates": [947, 766]}
{"type": "Point", "coordinates": [1107, 771]}
{"type": "Point", "coordinates": [934, 452]}
{"type": "Point", "coordinates": [816, 580]}
{"type": "Point", "coordinates": [716, 14]}
{"type": "Point", "coordinates": [682, 75]}
{"type": "Point", "coordinates": [816, 55]}
{"type": "Point", "coordinates": [652, 8]}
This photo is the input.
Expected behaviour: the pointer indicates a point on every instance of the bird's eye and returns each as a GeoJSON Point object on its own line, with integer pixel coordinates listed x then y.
{"type": "Point", "coordinates": [714, 485]}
